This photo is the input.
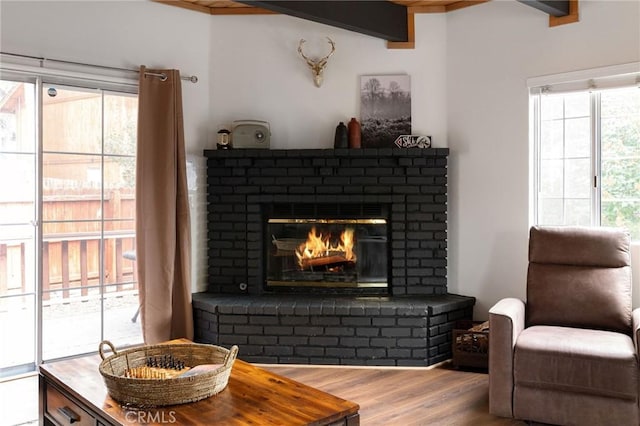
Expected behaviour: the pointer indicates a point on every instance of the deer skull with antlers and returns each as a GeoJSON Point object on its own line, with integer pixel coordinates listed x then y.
{"type": "Point", "coordinates": [317, 67]}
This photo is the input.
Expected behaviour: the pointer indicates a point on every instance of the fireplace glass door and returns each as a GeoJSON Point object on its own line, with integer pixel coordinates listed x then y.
{"type": "Point", "coordinates": [339, 254]}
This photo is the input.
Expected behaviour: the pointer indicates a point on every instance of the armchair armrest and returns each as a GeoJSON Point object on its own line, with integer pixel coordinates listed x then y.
{"type": "Point", "coordinates": [506, 322]}
{"type": "Point", "coordinates": [636, 329]}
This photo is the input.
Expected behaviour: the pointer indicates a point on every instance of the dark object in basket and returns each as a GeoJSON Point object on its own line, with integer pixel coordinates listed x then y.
{"type": "Point", "coordinates": [471, 344]}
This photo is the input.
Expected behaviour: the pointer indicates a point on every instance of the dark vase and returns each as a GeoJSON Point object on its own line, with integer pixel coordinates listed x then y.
{"type": "Point", "coordinates": [354, 133]}
{"type": "Point", "coordinates": [342, 138]}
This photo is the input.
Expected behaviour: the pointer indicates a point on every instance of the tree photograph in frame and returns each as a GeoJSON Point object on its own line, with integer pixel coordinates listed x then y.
{"type": "Point", "coordinates": [385, 109]}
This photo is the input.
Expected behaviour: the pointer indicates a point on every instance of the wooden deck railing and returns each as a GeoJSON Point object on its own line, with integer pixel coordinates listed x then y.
{"type": "Point", "coordinates": [72, 261]}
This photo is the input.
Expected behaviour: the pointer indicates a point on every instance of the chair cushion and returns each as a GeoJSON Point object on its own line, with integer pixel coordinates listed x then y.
{"type": "Point", "coordinates": [579, 246]}
{"type": "Point", "coordinates": [579, 296]}
{"type": "Point", "coordinates": [577, 360]}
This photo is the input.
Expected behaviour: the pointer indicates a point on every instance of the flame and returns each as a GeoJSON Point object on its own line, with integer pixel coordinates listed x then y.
{"type": "Point", "coordinates": [319, 245]}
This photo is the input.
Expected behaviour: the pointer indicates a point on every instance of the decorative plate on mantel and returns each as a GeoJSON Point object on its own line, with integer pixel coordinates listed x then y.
{"type": "Point", "coordinates": [413, 141]}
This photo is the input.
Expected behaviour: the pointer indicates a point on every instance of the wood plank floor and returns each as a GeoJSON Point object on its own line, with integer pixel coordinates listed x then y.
{"type": "Point", "coordinates": [405, 396]}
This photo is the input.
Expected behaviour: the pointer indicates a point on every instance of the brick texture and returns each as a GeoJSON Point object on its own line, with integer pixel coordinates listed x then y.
{"type": "Point", "coordinates": [377, 331]}
{"type": "Point", "coordinates": [411, 184]}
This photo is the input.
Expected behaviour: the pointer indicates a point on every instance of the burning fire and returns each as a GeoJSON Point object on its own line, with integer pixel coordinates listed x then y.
{"type": "Point", "coordinates": [319, 246]}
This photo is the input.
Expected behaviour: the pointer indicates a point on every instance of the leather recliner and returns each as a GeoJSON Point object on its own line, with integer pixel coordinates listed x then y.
{"type": "Point", "coordinates": [569, 355]}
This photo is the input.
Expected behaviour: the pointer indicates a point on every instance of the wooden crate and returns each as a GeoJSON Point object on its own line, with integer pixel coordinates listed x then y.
{"type": "Point", "coordinates": [470, 348]}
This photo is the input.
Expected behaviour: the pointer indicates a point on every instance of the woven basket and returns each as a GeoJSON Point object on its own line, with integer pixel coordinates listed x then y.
{"type": "Point", "coordinates": [160, 392]}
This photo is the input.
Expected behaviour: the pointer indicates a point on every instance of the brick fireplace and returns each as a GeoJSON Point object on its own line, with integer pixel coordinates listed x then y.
{"type": "Point", "coordinates": [407, 321]}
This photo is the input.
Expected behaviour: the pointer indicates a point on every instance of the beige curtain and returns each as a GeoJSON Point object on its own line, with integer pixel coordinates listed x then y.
{"type": "Point", "coordinates": [163, 229]}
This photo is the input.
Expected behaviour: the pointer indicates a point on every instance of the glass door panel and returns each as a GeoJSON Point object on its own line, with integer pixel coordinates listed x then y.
{"type": "Point", "coordinates": [89, 288]}
{"type": "Point", "coordinates": [18, 258]}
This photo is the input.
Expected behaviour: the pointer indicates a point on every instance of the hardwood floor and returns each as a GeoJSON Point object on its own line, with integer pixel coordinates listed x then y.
{"type": "Point", "coordinates": [405, 396]}
{"type": "Point", "coordinates": [387, 396]}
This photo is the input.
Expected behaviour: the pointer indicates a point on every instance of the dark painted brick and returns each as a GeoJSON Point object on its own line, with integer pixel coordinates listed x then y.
{"type": "Point", "coordinates": [339, 331]}
{"type": "Point", "coordinates": [386, 342]}
{"type": "Point", "coordinates": [309, 331]}
{"type": "Point", "coordinates": [395, 332]}
{"type": "Point", "coordinates": [262, 340]}
{"type": "Point", "coordinates": [361, 342]}
{"type": "Point", "coordinates": [293, 340]}
{"type": "Point", "coordinates": [323, 341]}
{"type": "Point", "coordinates": [341, 352]}
{"type": "Point", "coordinates": [325, 320]}
{"type": "Point", "coordinates": [412, 343]}
{"type": "Point", "coordinates": [367, 331]}
{"type": "Point", "coordinates": [309, 351]}
{"type": "Point", "coordinates": [371, 353]}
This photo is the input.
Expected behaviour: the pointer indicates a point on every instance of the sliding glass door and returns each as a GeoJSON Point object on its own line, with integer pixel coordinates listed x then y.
{"type": "Point", "coordinates": [67, 230]}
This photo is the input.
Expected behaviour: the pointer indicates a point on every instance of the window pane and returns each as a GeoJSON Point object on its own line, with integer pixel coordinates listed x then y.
{"type": "Point", "coordinates": [17, 117]}
{"type": "Point", "coordinates": [552, 139]}
{"type": "Point", "coordinates": [620, 132]}
{"type": "Point", "coordinates": [17, 330]}
{"type": "Point", "coordinates": [17, 257]}
{"type": "Point", "coordinates": [72, 264]}
{"type": "Point", "coordinates": [120, 124]}
{"type": "Point", "coordinates": [551, 211]}
{"type": "Point", "coordinates": [577, 105]}
{"type": "Point", "coordinates": [72, 120]}
{"type": "Point", "coordinates": [577, 212]}
{"type": "Point", "coordinates": [17, 199]}
{"type": "Point", "coordinates": [552, 107]}
{"type": "Point", "coordinates": [577, 178]}
{"type": "Point", "coordinates": [552, 178]}
{"type": "Point", "coordinates": [121, 323]}
{"type": "Point", "coordinates": [72, 327]}
{"type": "Point", "coordinates": [71, 187]}
{"type": "Point", "coordinates": [120, 172]}
{"type": "Point", "coordinates": [577, 137]}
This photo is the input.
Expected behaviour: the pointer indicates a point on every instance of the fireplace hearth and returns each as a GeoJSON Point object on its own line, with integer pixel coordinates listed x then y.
{"type": "Point", "coordinates": [329, 256]}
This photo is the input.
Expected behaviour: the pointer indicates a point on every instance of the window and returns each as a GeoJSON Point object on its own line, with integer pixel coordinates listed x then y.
{"type": "Point", "coordinates": [587, 156]}
{"type": "Point", "coordinates": [67, 229]}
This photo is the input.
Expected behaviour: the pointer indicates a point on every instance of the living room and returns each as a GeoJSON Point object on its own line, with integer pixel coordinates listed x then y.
{"type": "Point", "coordinates": [469, 89]}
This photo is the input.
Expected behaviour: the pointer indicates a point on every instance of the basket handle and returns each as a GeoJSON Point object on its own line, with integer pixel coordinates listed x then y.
{"type": "Point", "coordinates": [231, 356]}
{"type": "Point", "coordinates": [101, 348]}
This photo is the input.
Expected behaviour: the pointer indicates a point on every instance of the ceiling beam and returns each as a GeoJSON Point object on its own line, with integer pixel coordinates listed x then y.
{"type": "Point", "coordinates": [379, 19]}
{"type": "Point", "coordinates": [573, 16]}
{"type": "Point", "coordinates": [555, 8]}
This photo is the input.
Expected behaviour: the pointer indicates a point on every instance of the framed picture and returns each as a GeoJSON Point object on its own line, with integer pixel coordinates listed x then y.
{"type": "Point", "coordinates": [385, 109]}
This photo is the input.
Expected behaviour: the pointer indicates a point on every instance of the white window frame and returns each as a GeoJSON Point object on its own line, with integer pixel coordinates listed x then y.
{"type": "Point", "coordinates": [592, 80]}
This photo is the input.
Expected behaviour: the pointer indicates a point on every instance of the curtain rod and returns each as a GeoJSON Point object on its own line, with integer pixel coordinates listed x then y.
{"type": "Point", "coordinates": [163, 77]}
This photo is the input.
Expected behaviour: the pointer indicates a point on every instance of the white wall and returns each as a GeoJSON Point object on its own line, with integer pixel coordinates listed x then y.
{"type": "Point", "coordinates": [257, 73]}
{"type": "Point", "coordinates": [491, 51]}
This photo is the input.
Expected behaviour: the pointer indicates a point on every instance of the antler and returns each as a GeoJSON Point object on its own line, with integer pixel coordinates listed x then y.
{"type": "Point", "coordinates": [310, 62]}
{"type": "Point", "coordinates": [317, 66]}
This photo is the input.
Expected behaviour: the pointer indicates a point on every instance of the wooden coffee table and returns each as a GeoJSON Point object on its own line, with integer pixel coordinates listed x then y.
{"type": "Point", "coordinates": [73, 392]}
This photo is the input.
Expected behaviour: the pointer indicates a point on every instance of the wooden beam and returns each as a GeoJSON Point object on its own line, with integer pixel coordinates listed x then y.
{"type": "Point", "coordinates": [411, 34]}
{"type": "Point", "coordinates": [572, 17]}
{"type": "Point", "coordinates": [241, 11]}
{"type": "Point", "coordinates": [552, 7]}
{"type": "Point", "coordinates": [462, 4]}
{"type": "Point", "coordinates": [185, 5]}
{"type": "Point", "coordinates": [380, 19]}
